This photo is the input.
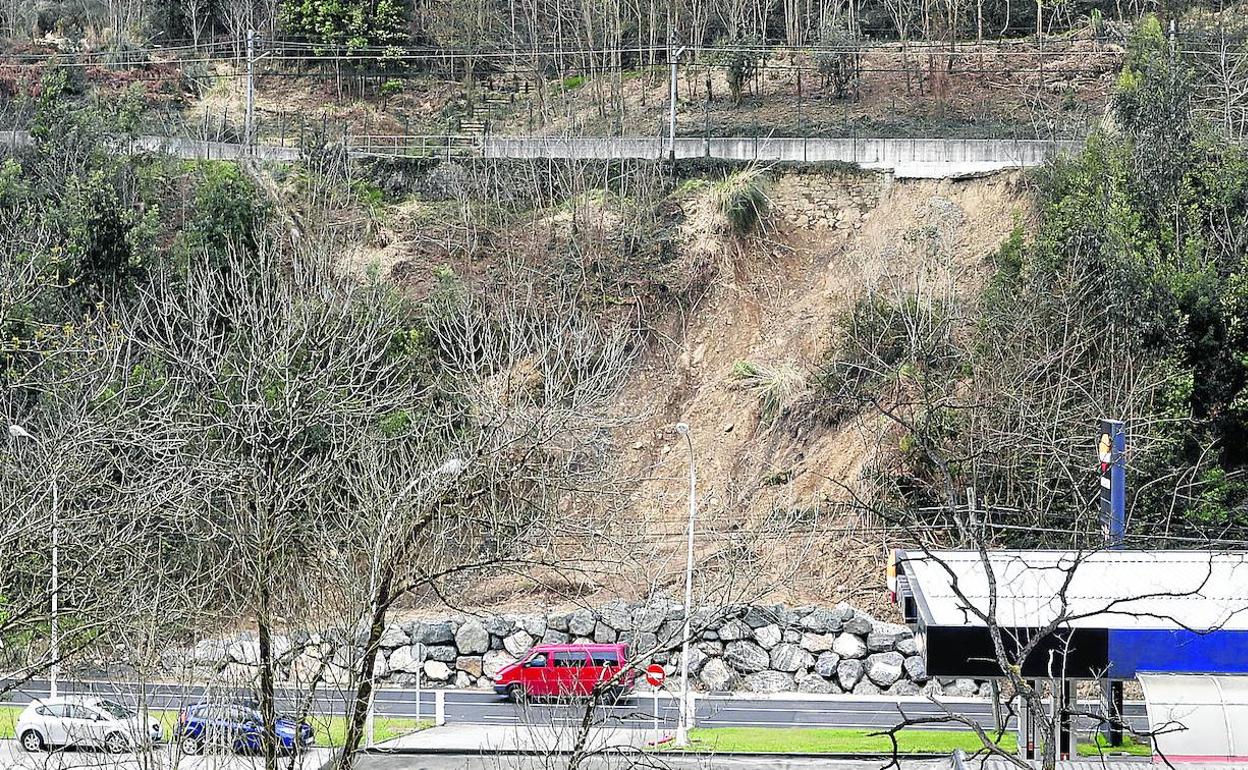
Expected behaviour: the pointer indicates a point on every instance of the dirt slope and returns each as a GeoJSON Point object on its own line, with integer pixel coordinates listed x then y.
{"type": "Point", "coordinates": [830, 239]}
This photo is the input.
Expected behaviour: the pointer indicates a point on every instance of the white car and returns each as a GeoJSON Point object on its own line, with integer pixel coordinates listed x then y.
{"type": "Point", "coordinates": [84, 721]}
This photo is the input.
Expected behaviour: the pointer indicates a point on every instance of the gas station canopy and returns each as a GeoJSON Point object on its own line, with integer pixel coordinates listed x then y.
{"type": "Point", "coordinates": [1113, 612]}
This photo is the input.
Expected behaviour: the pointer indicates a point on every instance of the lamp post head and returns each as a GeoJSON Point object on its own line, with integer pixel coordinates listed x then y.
{"type": "Point", "coordinates": [17, 431]}
{"type": "Point", "coordinates": [682, 428]}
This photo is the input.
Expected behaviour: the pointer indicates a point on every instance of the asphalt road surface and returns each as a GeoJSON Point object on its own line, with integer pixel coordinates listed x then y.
{"type": "Point", "coordinates": [480, 707]}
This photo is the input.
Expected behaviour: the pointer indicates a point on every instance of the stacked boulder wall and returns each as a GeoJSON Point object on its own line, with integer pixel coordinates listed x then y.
{"type": "Point", "coordinates": [832, 649]}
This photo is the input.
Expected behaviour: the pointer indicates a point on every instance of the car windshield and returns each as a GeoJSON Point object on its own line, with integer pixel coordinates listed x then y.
{"type": "Point", "coordinates": [115, 710]}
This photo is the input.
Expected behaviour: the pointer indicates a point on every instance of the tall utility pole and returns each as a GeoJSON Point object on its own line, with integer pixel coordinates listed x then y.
{"type": "Point", "coordinates": [671, 147]}
{"type": "Point", "coordinates": [251, 90]}
{"type": "Point", "coordinates": [682, 721]}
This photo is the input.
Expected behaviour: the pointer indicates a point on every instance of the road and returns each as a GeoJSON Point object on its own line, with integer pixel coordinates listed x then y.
{"type": "Point", "coordinates": [639, 711]}
{"type": "Point", "coordinates": [159, 758]}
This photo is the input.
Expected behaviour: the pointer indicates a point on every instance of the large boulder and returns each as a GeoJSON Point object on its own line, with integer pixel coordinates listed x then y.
{"type": "Point", "coordinates": [756, 617]}
{"type": "Point", "coordinates": [209, 652]}
{"type": "Point", "coordinates": [817, 685]}
{"type": "Point", "coordinates": [604, 634]}
{"type": "Point", "coordinates": [470, 664]}
{"type": "Point", "coordinates": [746, 656]}
{"type": "Point", "coordinates": [849, 646]}
{"type": "Point", "coordinates": [394, 636]}
{"type": "Point", "coordinates": [735, 630]}
{"type": "Point", "coordinates": [916, 669]}
{"type": "Point", "coordinates": [437, 671]}
{"type": "Point", "coordinates": [697, 659]}
{"type": "Point", "coordinates": [245, 651]}
{"type": "Point", "coordinates": [445, 653]}
{"type": "Point", "coordinates": [849, 673]}
{"type": "Point", "coordinates": [472, 638]}
{"type": "Point", "coordinates": [518, 643]}
{"type": "Point", "coordinates": [554, 636]}
{"type": "Point", "coordinates": [826, 663]}
{"type": "Point", "coordinates": [768, 681]}
{"type": "Point", "coordinates": [904, 689]}
{"type": "Point", "coordinates": [907, 646]}
{"type": "Point", "coordinates": [768, 636]}
{"type": "Point", "coordinates": [817, 642]}
{"type": "Point", "coordinates": [859, 624]}
{"type": "Point", "coordinates": [494, 661]}
{"type": "Point", "coordinates": [558, 621]}
{"type": "Point", "coordinates": [885, 636]}
{"type": "Point", "coordinates": [433, 633]}
{"type": "Point", "coordinates": [866, 687]}
{"type": "Point", "coordinates": [791, 658]}
{"type": "Point", "coordinates": [617, 614]}
{"type": "Point", "coordinates": [716, 675]}
{"type": "Point", "coordinates": [581, 623]}
{"type": "Point", "coordinates": [710, 649]}
{"type": "Point", "coordinates": [821, 621]}
{"type": "Point", "coordinates": [533, 625]}
{"type": "Point", "coordinates": [647, 619]}
{"type": "Point", "coordinates": [498, 625]}
{"type": "Point", "coordinates": [404, 660]}
{"type": "Point", "coordinates": [884, 668]}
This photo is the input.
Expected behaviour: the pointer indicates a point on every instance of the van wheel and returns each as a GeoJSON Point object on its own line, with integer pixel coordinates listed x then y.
{"type": "Point", "coordinates": [32, 741]}
{"type": "Point", "coordinates": [517, 693]}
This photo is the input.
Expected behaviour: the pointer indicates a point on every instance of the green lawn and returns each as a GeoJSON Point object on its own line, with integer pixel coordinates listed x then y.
{"type": "Point", "coordinates": [827, 740]}
{"type": "Point", "coordinates": [329, 729]}
{"type": "Point", "coordinates": [1129, 746]}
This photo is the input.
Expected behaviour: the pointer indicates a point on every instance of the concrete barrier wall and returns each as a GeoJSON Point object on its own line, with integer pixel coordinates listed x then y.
{"type": "Point", "coordinates": [906, 157]}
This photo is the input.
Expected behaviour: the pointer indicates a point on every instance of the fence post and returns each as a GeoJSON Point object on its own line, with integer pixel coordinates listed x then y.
{"type": "Point", "coordinates": [439, 707]}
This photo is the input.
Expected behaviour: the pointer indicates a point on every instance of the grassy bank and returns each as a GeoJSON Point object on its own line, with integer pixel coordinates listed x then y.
{"type": "Point", "coordinates": [835, 741]}
{"type": "Point", "coordinates": [329, 729]}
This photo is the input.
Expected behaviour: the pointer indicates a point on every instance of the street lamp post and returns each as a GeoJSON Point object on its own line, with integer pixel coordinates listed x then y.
{"type": "Point", "coordinates": [682, 723]}
{"type": "Point", "coordinates": [18, 432]}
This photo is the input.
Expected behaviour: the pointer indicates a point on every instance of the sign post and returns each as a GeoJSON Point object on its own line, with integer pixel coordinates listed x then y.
{"type": "Point", "coordinates": [655, 676]}
{"type": "Point", "coordinates": [1111, 451]}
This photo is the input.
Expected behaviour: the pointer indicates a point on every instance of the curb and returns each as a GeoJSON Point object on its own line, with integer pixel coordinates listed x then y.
{"type": "Point", "coordinates": [624, 750]}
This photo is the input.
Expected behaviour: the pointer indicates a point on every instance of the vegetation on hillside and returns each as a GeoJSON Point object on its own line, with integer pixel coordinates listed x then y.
{"type": "Point", "coordinates": [1127, 301]}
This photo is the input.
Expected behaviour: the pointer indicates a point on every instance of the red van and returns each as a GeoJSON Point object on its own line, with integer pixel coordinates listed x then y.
{"type": "Point", "coordinates": [565, 670]}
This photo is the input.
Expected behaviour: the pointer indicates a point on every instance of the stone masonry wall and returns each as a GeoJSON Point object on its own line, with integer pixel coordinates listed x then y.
{"type": "Point", "coordinates": [758, 648]}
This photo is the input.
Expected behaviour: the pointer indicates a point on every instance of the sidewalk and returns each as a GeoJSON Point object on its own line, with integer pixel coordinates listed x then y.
{"type": "Point", "coordinates": [514, 738]}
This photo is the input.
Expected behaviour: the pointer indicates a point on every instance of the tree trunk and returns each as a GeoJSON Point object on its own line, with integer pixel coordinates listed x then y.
{"type": "Point", "coordinates": [364, 687]}
{"type": "Point", "coordinates": [268, 712]}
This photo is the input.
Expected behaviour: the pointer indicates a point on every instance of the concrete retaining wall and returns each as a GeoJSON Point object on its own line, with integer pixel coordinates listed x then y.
{"type": "Point", "coordinates": [906, 157]}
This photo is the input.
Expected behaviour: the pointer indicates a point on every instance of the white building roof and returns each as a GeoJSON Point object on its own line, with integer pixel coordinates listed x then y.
{"type": "Point", "coordinates": [1196, 590]}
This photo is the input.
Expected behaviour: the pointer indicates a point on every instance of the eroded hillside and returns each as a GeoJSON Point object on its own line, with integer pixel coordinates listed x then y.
{"type": "Point", "coordinates": [737, 327]}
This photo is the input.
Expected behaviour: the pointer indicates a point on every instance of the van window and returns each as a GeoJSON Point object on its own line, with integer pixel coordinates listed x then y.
{"type": "Point", "coordinates": [537, 661]}
{"type": "Point", "coordinates": [605, 657]}
{"type": "Point", "coordinates": [568, 659]}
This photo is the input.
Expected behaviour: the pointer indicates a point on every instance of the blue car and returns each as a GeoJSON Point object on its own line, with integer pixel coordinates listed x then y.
{"type": "Point", "coordinates": [240, 728]}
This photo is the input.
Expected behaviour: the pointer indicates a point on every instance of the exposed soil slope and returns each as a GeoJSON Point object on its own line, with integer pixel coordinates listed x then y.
{"type": "Point", "coordinates": [776, 304]}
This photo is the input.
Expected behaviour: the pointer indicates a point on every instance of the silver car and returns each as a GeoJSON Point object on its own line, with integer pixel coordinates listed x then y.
{"type": "Point", "coordinates": [84, 721]}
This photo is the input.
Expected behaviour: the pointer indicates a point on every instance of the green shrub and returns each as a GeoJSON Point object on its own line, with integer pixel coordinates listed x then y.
{"type": "Point", "coordinates": [778, 387]}
{"type": "Point", "coordinates": [742, 199]}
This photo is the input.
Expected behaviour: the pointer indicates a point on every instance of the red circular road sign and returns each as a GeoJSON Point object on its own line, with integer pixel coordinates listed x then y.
{"type": "Point", "coordinates": [655, 675]}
